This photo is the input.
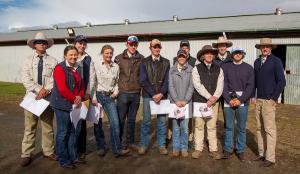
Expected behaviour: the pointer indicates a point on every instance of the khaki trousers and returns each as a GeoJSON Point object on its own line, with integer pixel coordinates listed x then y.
{"type": "Point", "coordinates": [266, 128]}
{"type": "Point", "coordinates": [31, 122]}
{"type": "Point", "coordinates": [211, 125]}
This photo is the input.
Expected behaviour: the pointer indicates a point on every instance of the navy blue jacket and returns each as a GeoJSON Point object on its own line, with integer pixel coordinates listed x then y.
{"type": "Point", "coordinates": [269, 78]}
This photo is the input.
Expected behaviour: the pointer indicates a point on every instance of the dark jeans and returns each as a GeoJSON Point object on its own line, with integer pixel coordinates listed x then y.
{"type": "Point", "coordinates": [110, 109]}
{"type": "Point", "coordinates": [65, 138]}
{"type": "Point", "coordinates": [128, 105]}
{"type": "Point", "coordinates": [81, 136]}
{"type": "Point", "coordinates": [239, 114]}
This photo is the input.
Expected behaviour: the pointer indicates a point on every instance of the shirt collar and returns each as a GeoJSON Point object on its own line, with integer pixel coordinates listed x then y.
{"type": "Point", "coordinates": [79, 59]}
{"type": "Point", "coordinates": [36, 55]}
{"type": "Point", "coordinates": [110, 65]}
{"type": "Point", "coordinates": [75, 67]}
{"type": "Point", "coordinates": [155, 58]}
{"type": "Point", "coordinates": [222, 57]}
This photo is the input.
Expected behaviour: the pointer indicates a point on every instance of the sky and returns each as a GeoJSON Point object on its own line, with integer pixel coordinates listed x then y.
{"type": "Point", "coordinates": [31, 13]}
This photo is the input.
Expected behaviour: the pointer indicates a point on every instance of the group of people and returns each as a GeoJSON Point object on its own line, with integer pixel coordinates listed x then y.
{"type": "Point", "coordinates": [215, 78]}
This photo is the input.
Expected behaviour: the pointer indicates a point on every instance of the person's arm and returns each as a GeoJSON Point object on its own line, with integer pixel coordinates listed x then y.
{"type": "Point", "coordinates": [190, 91]}
{"type": "Point", "coordinates": [91, 87]}
{"type": "Point", "coordinates": [165, 86]}
{"type": "Point", "coordinates": [248, 92]}
{"type": "Point", "coordinates": [27, 78]}
{"type": "Point", "coordinates": [198, 85]}
{"type": "Point", "coordinates": [172, 89]}
{"type": "Point", "coordinates": [280, 80]}
{"type": "Point", "coordinates": [225, 93]}
{"type": "Point", "coordinates": [60, 81]}
{"type": "Point", "coordinates": [81, 92]}
{"type": "Point", "coordinates": [144, 82]}
{"type": "Point", "coordinates": [116, 88]}
{"type": "Point", "coordinates": [220, 84]}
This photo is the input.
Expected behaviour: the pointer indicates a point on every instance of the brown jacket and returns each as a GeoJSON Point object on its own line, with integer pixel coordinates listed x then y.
{"type": "Point", "coordinates": [129, 72]}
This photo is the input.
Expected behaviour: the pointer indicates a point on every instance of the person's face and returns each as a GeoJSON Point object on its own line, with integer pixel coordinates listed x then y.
{"type": "Point", "coordinates": [107, 55]}
{"type": "Point", "coordinates": [208, 57]}
{"type": "Point", "coordinates": [155, 50]}
{"type": "Point", "coordinates": [71, 57]}
{"type": "Point", "coordinates": [181, 59]}
{"type": "Point", "coordinates": [186, 48]}
{"type": "Point", "coordinates": [222, 48]}
{"type": "Point", "coordinates": [132, 47]}
{"type": "Point", "coordinates": [265, 50]}
{"type": "Point", "coordinates": [41, 46]}
{"type": "Point", "coordinates": [237, 56]}
{"type": "Point", "coordinates": [81, 46]}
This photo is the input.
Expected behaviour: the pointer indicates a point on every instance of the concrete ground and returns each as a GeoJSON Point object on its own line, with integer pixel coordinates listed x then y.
{"type": "Point", "coordinates": [287, 150]}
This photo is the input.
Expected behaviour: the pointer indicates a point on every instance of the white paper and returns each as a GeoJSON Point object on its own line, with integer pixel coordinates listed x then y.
{"type": "Point", "coordinates": [201, 110]}
{"type": "Point", "coordinates": [78, 113]}
{"type": "Point", "coordinates": [95, 113]}
{"type": "Point", "coordinates": [174, 108]}
{"type": "Point", "coordinates": [162, 108]}
{"type": "Point", "coordinates": [37, 107]}
{"type": "Point", "coordinates": [239, 93]}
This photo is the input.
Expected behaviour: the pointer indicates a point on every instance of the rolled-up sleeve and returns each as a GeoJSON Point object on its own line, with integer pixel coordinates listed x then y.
{"type": "Point", "coordinates": [220, 84]}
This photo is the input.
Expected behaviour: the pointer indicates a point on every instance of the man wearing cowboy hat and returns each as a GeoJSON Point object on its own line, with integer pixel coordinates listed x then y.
{"type": "Point", "coordinates": [208, 80]}
{"type": "Point", "coordinates": [37, 77]}
{"type": "Point", "coordinates": [223, 56]}
{"type": "Point", "coordinates": [269, 83]}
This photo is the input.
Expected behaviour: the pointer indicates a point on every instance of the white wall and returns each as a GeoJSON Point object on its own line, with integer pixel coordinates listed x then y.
{"type": "Point", "coordinates": [13, 56]}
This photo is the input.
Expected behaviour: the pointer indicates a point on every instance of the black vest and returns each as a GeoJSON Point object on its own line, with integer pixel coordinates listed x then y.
{"type": "Point", "coordinates": [86, 70]}
{"type": "Point", "coordinates": [209, 79]}
{"type": "Point", "coordinates": [57, 101]}
{"type": "Point", "coordinates": [156, 73]}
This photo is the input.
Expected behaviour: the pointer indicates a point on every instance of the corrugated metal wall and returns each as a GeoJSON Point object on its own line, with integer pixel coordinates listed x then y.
{"type": "Point", "coordinates": [13, 56]}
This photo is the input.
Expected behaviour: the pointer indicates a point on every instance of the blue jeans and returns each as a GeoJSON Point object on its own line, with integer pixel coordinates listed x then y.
{"type": "Point", "coordinates": [110, 109]}
{"type": "Point", "coordinates": [65, 138]}
{"type": "Point", "coordinates": [240, 114]}
{"type": "Point", "coordinates": [128, 105]}
{"type": "Point", "coordinates": [146, 124]}
{"type": "Point", "coordinates": [180, 133]}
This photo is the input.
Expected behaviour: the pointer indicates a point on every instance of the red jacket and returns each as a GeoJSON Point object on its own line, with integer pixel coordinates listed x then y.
{"type": "Point", "coordinates": [60, 79]}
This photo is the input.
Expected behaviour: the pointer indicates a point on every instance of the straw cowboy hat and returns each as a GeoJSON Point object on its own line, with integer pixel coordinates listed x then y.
{"type": "Point", "coordinates": [39, 36]}
{"type": "Point", "coordinates": [222, 40]}
{"type": "Point", "coordinates": [265, 41]}
{"type": "Point", "coordinates": [206, 49]}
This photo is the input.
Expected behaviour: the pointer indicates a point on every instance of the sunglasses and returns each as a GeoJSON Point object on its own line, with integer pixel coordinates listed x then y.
{"type": "Point", "coordinates": [133, 45]}
{"type": "Point", "coordinates": [156, 46]}
{"type": "Point", "coordinates": [41, 42]}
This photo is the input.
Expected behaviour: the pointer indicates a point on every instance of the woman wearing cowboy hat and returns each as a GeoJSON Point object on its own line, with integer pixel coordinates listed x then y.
{"type": "Point", "coordinates": [37, 77]}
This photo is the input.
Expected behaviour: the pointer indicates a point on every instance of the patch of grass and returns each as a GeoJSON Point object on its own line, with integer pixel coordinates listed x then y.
{"type": "Point", "coordinates": [11, 91]}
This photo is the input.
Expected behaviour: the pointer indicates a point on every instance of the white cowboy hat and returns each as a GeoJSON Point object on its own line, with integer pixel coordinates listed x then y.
{"type": "Point", "coordinates": [222, 40]}
{"type": "Point", "coordinates": [265, 41]}
{"type": "Point", "coordinates": [39, 36]}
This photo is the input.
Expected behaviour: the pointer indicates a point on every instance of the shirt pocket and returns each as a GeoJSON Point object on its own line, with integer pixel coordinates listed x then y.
{"type": "Point", "coordinates": [48, 70]}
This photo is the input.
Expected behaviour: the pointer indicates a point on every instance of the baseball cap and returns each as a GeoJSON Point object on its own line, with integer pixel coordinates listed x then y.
{"type": "Point", "coordinates": [80, 38]}
{"type": "Point", "coordinates": [132, 39]}
{"type": "Point", "coordinates": [238, 49]}
{"type": "Point", "coordinates": [181, 52]}
{"type": "Point", "coordinates": [184, 43]}
{"type": "Point", "coordinates": [155, 42]}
